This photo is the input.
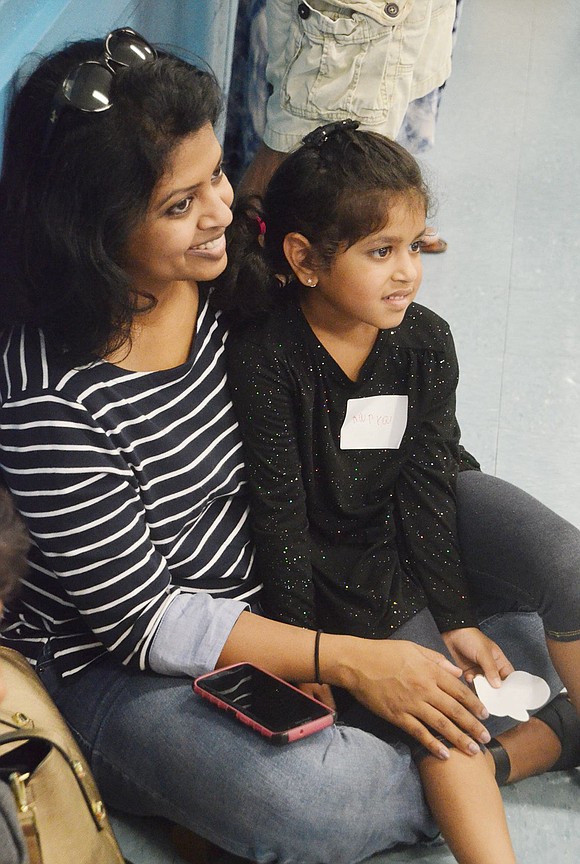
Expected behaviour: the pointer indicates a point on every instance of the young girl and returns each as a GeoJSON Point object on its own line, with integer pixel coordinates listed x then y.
{"type": "Point", "coordinates": [121, 448]}
{"type": "Point", "coordinates": [346, 398]}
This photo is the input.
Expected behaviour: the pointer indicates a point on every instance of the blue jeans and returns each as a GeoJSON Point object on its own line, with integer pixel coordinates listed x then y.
{"type": "Point", "coordinates": [342, 794]}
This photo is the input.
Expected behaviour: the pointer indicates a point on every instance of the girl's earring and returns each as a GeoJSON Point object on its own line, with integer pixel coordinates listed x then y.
{"type": "Point", "coordinates": [311, 282]}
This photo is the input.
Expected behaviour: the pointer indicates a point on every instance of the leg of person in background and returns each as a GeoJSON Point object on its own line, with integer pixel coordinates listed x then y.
{"type": "Point", "coordinates": [549, 741]}
{"type": "Point", "coordinates": [417, 135]}
{"type": "Point", "coordinates": [254, 163]}
{"type": "Point", "coordinates": [248, 95]}
{"type": "Point", "coordinates": [257, 175]}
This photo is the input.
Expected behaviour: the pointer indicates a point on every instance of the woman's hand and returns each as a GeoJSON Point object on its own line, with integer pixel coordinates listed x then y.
{"type": "Point", "coordinates": [413, 687]}
{"type": "Point", "coordinates": [476, 654]}
{"type": "Point", "coordinates": [322, 692]}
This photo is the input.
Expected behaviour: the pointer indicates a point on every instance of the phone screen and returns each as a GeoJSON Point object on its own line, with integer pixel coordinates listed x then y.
{"type": "Point", "coordinates": [262, 697]}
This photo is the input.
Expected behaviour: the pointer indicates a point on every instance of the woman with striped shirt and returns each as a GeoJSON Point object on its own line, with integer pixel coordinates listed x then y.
{"type": "Point", "coordinates": [121, 449]}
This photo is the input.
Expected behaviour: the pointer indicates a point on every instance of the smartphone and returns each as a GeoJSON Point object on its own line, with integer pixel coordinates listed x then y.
{"type": "Point", "coordinates": [265, 703]}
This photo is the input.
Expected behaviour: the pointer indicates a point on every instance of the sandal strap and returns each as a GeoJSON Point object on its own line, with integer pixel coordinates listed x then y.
{"type": "Point", "coordinates": [501, 759]}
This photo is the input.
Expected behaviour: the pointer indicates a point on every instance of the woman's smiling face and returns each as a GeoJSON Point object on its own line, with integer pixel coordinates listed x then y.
{"type": "Point", "coordinates": [182, 236]}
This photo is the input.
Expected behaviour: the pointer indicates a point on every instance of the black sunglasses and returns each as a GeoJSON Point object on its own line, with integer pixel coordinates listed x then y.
{"type": "Point", "coordinates": [87, 87]}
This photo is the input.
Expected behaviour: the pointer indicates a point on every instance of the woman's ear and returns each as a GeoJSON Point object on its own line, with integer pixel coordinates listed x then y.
{"type": "Point", "coordinates": [298, 252]}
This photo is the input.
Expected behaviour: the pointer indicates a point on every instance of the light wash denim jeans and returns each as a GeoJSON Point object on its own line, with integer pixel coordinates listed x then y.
{"type": "Point", "coordinates": [342, 794]}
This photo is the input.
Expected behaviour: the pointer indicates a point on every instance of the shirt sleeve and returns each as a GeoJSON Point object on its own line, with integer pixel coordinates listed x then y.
{"type": "Point", "coordinates": [425, 497]}
{"type": "Point", "coordinates": [82, 505]}
{"type": "Point", "coordinates": [192, 634]}
{"type": "Point", "coordinates": [264, 395]}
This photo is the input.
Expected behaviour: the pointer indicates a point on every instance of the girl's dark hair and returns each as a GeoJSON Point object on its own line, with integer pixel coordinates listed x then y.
{"type": "Point", "coordinates": [67, 206]}
{"type": "Point", "coordinates": [334, 193]}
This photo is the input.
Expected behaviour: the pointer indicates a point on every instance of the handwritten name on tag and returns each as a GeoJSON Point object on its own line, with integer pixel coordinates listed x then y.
{"type": "Point", "coordinates": [374, 423]}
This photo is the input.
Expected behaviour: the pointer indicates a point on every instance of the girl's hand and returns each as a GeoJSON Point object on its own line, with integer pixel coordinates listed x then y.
{"type": "Point", "coordinates": [322, 692]}
{"type": "Point", "coordinates": [413, 687]}
{"type": "Point", "coordinates": [476, 654]}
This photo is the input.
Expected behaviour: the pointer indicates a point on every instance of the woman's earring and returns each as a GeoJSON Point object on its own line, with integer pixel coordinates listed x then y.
{"type": "Point", "coordinates": [311, 282]}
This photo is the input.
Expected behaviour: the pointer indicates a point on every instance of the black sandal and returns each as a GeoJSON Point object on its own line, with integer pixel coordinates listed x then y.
{"type": "Point", "coordinates": [501, 760]}
{"type": "Point", "coordinates": [560, 715]}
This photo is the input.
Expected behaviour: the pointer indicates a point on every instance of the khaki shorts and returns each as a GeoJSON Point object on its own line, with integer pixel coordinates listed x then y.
{"type": "Point", "coordinates": [333, 59]}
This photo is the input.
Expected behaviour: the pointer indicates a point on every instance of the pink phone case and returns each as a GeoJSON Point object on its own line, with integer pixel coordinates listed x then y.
{"type": "Point", "coordinates": [286, 736]}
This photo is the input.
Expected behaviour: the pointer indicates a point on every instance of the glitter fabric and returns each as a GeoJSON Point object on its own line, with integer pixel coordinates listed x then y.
{"type": "Point", "coordinates": [351, 540]}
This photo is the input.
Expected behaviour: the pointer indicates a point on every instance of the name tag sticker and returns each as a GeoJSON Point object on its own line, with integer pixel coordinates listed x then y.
{"type": "Point", "coordinates": [374, 423]}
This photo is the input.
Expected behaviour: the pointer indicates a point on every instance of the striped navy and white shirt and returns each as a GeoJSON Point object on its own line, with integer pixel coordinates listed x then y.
{"type": "Point", "coordinates": [133, 488]}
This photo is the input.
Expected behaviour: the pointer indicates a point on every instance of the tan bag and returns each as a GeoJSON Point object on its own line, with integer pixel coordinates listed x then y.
{"type": "Point", "coordinates": [59, 807]}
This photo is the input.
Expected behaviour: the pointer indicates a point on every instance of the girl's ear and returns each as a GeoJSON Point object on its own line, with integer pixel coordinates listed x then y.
{"type": "Point", "coordinates": [298, 252]}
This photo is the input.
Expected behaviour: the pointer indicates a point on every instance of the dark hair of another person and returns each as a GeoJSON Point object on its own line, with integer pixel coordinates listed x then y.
{"type": "Point", "coordinates": [67, 206]}
{"type": "Point", "coordinates": [14, 545]}
{"type": "Point", "coordinates": [334, 194]}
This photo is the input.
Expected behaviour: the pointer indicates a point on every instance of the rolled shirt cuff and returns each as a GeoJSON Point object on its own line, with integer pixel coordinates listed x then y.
{"type": "Point", "coordinates": [192, 634]}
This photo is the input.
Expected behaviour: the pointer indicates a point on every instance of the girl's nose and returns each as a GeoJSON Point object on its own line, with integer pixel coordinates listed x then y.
{"type": "Point", "coordinates": [408, 267]}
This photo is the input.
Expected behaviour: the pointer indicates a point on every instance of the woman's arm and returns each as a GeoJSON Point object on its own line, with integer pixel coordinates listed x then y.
{"type": "Point", "coordinates": [413, 687]}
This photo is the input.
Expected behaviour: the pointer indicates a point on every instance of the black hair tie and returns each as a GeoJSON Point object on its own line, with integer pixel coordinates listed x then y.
{"type": "Point", "coordinates": [323, 133]}
{"type": "Point", "coordinates": [317, 677]}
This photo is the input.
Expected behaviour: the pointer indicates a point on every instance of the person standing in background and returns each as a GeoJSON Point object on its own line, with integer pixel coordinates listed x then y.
{"type": "Point", "coordinates": [382, 64]}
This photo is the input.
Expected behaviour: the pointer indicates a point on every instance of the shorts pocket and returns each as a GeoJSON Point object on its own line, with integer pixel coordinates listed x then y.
{"type": "Point", "coordinates": [339, 68]}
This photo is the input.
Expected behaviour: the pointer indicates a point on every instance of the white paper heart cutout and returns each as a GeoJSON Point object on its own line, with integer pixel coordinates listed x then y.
{"type": "Point", "coordinates": [519, 693]}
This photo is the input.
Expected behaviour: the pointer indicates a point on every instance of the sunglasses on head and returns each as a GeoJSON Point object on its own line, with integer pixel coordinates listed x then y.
{"type": "Point", "coordinates": [87, 87]}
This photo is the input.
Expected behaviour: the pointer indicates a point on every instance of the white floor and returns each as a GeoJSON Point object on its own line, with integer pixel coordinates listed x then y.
{"type": "Point", "coordinates": [507, 178]}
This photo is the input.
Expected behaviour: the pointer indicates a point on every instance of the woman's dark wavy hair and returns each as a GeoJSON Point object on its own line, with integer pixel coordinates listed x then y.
{"type": "Point", "coordinates": [334, 193]}
{"type": "Point", "coordinates": [65, 213]}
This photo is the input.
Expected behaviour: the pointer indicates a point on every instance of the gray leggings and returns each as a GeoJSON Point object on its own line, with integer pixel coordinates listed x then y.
{"type": "Point", "coordinates": [518, 554]}
{"type": "Point", "coordinates": [422, 630]}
